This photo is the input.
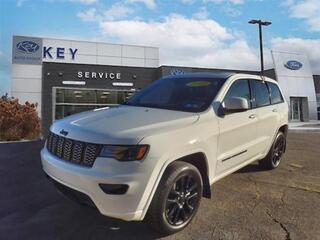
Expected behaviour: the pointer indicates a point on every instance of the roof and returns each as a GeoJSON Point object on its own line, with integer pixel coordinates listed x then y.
{"type": "Point", "coordinates": [221, 75]}
{"type": "Point", "coordinates": [202, 75]}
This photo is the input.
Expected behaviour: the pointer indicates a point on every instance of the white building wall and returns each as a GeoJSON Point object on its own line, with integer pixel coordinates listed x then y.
{"type": "Point", "coordinates": [26, 83]}
{"type": "Point", "coordinates": [104, 53]}
{"type": "Point", "coordinates": [296, 83]}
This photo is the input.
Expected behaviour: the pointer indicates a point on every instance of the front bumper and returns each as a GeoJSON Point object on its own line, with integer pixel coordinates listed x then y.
{"type": "Point", "coordinates": [128, 206]}
{"type": "Point", "coordinates": [72, 194]}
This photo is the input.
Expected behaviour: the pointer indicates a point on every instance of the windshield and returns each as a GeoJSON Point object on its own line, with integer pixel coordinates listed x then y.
{"type": "Point", "coordinates": [181, 94]}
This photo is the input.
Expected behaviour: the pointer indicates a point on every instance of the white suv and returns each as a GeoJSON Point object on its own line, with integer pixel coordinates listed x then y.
{"type": "Point", "coordinates": [157, 154]}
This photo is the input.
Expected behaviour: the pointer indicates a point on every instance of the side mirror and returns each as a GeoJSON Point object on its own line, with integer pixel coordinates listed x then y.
{"type": "Point", "coordinates": [234, 105]}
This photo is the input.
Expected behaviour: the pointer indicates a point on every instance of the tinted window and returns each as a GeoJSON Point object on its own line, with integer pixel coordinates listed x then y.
{"type": "Point", "coordinates": [239, 88]}
{"type": "Point", "coordinates": [181, 93]}
{"type": "Point", "coordinates": [276, 96]}
{"type": "Point", "coordinates": [260, 93]}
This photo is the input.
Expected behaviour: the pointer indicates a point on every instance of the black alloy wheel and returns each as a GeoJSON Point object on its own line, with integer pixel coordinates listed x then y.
{"type": "Point", "coordinates": [176, 199]}
{"type": "Point", "coordinates": [182, 200]}
{"type": "Point", "coordinates": [274, 156]}
{"type": "Point", "coordinates": [278, 151]}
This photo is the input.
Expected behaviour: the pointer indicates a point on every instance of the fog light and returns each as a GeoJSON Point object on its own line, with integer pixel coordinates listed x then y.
{"type": "Point", "coordinates": [115, 189]}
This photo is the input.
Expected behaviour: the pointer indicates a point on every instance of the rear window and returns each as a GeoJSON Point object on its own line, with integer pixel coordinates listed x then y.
{"type": "Point", "coordinates": [275, 93]}
{"type": "Point", "coordinates": [260, 93]}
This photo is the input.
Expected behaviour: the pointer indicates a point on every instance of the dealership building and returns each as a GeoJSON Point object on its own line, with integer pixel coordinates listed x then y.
{"type": "Point", "coordinates": [68, 76]}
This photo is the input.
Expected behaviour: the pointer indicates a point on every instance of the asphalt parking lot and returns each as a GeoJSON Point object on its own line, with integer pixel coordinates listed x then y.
{"type": "Point", "coordinates": [249, 204]}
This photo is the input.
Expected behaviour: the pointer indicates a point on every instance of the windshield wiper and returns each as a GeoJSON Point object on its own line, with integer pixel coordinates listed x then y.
{"type": "Point", "coordinates": [152, 105]}
{"type": "Point", "coordinates": [127, 103]}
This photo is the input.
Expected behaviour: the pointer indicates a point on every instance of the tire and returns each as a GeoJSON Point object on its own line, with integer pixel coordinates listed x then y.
{"type": "Point", "coordinates": [273, 158]}
{"type": "Point", "coordinates": [176, 199]}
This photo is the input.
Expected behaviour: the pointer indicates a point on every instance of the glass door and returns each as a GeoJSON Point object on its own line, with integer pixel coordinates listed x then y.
{"type": "Point", "coordinates": [295, 109]}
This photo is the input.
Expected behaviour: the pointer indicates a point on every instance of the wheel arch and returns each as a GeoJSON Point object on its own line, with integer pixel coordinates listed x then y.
{"type": "Point", "coordinates": [284, 129]}
{"type": "Point", "coordinates": [199, 160]}
{"type": "Point", "coordinates": [196, 158]}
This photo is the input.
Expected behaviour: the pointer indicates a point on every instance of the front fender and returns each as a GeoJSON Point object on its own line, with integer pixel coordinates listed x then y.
{"type": "Point", "coordinates": [158, 175]}
{"type": "Point", "coordinates": [179, 144]}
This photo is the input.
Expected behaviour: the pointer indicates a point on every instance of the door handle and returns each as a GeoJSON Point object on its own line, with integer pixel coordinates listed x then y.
{"type": "Point", "coordinates": [275, 110]}
{"type": "Point", "coordinates": [252, 116]}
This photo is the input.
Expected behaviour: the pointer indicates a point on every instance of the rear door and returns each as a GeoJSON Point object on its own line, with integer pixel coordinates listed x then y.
{"type": "Point", "coordinates": [268, 116]}
{"type": "Point", "coordinates": [236, 141]}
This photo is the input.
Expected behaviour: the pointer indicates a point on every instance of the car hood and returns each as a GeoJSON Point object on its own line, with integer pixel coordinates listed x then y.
{"type": "Point", "coordinates": [121, 125]}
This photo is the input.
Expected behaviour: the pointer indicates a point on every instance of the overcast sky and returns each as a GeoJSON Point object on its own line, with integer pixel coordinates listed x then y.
{"type": "Point", "coordinates": [204, 33]}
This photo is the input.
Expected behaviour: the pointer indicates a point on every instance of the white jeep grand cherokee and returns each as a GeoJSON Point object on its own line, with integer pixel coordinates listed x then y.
{"type": "Point", "coordinates": [157, 154]}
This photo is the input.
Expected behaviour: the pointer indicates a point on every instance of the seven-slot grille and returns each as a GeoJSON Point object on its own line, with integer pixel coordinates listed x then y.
{"type": "Point", "coordinates": [77, 152]}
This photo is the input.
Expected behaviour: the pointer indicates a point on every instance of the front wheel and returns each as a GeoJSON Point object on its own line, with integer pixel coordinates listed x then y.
{"type": "Point", "coordinates": [177, 198]}
{"type": "Point", "coordinates": [273, 159]}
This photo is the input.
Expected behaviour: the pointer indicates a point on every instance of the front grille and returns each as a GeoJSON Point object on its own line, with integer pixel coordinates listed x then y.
{"type": "Point", "coordinates": [77, 152]}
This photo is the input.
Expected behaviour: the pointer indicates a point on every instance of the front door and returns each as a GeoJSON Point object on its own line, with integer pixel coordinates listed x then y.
{"type": "Point", "coordinates": [236, 142]}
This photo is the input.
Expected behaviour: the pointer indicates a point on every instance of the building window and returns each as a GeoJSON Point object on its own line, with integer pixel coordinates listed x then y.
{"type": "Point", "coordinates": [318, 99]}
{"type": "Point", "coordinates": [69, 101]}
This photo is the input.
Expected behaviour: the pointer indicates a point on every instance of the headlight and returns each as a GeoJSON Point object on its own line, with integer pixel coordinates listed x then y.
{"type": "Point", "coordinates": [124, 153]}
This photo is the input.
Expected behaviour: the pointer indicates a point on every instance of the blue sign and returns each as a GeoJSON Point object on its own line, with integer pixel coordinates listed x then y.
{"type": "Point", "coordinates": [293, 65]}
{"type": "Point", "coordinates": [27, 47]}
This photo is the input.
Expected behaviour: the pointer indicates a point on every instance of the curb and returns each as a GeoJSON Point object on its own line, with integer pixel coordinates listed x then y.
{"type": "Point", "coordinates": [21, 141]}
{"type": "Point", "coordinates": [315, 130]}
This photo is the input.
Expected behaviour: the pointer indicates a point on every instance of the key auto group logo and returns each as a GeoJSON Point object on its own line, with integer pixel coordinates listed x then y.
{"type": "Point", "coordinates": [27, 47]}
{"type": "Point", "coordinates": [26, 50]}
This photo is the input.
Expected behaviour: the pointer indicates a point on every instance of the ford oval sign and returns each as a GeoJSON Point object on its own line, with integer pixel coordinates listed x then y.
{"type": "Point", "coordinates": [27, 47]}
{"type": "Point", "coordinates": [293, 65]}
{"type": "Point", "coordinates": [176, 71]}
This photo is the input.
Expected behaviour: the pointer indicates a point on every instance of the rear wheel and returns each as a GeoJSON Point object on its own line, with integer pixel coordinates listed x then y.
{"type": "Point", "coordinates": [177, 198]}
{"type": "Point", "coordinates": [273, 159]}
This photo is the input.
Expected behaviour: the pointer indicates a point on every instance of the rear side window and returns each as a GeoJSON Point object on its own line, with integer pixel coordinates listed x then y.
{"type": "Point", "coordinates": [260, 93]}
{"type": "Point", "coordinates": [275, 93]}
{"type": "Point", "coordinates": [239, 88]}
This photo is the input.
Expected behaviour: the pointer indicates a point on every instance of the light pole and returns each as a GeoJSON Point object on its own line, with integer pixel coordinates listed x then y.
{"type": "Point", "coordinates": [261, 23]}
